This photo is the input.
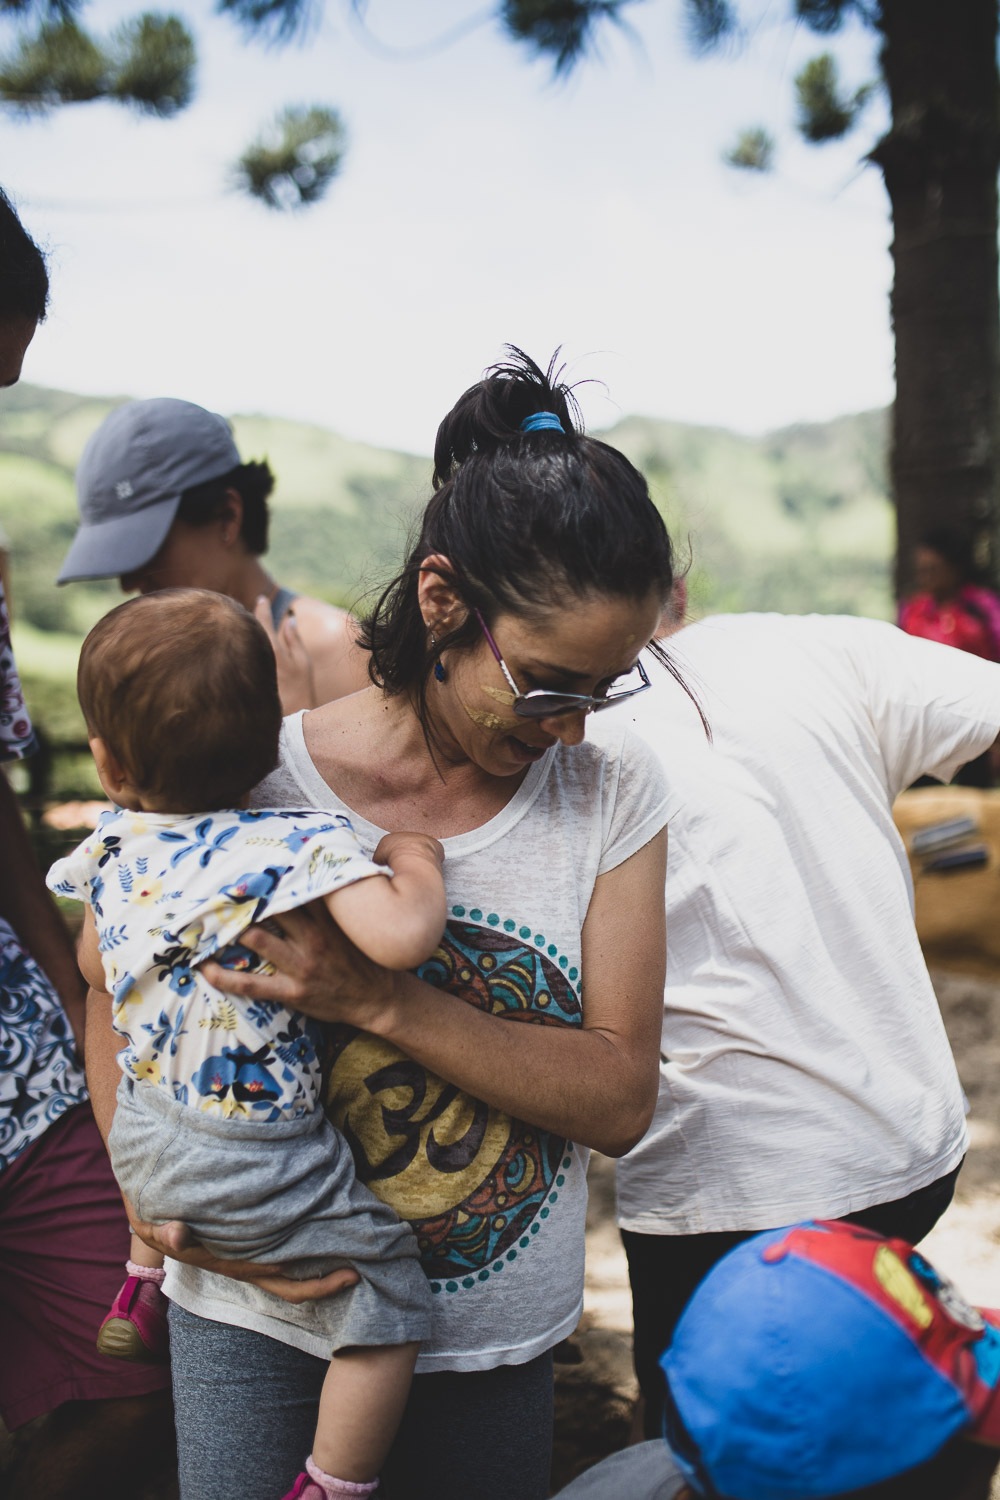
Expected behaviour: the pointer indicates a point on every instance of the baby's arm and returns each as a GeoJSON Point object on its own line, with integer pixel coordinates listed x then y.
{"type": "Point", "coordinates": [396, 922]}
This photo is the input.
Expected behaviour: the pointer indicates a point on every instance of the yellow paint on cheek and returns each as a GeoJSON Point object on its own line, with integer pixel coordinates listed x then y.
{"type": "Point", "coordinates": [483, 718]}
{"type": "Point", "coordinates": [499, 695]}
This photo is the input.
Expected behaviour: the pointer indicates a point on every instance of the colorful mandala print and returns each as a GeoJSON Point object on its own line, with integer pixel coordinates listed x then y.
{"type": "Point", "coordinates": [481, 1178]}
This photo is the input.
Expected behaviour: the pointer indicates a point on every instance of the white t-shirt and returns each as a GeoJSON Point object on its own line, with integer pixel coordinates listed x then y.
{"type": "Point", "coordinates": [806, 1070]}
{"type": "Point", "coordinates": [497, 1206]}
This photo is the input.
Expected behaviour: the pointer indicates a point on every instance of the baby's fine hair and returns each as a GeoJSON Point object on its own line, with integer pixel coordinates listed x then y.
{"type": "Point", "coordinates": [182, 687]}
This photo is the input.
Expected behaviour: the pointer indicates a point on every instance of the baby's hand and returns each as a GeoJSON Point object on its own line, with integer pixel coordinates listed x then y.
{"type": "Point", "coordinates": [421, 844]}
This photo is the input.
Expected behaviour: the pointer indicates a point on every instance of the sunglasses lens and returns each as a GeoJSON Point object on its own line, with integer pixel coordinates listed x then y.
{"type": "Point", "coordinates": [548, 705]}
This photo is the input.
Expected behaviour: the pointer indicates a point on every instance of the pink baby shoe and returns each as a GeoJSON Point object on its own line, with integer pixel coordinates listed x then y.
{"type": "Point", "coordinates": [136, 1326]}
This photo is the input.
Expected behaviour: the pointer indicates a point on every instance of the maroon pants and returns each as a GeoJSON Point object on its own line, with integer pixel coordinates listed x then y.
{"type": "Point", "coordinates": [64, 1240]}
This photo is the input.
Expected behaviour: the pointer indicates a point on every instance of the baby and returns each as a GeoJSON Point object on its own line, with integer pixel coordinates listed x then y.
{"type": "Point", "coordinates": [219, 1120]}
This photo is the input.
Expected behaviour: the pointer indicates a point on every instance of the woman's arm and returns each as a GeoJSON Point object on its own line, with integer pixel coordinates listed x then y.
{"type": "Point", "coordinates": [596, 1084]}
{"type": "Point", "coordinates": [103, 1042]}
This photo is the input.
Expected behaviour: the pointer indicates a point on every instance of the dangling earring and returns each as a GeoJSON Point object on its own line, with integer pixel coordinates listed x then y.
{"type": "Point", "coordinates": [439, 672]}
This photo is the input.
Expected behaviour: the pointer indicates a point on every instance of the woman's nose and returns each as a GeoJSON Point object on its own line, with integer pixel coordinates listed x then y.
{"type": "Point", "coordinates": [571, 729]}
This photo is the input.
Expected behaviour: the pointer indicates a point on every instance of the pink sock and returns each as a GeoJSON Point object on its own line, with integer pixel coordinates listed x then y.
{"type": "Point", "coordinates": [146, 1273]}
{"type": "Point", "coordinates": [338, 1489]}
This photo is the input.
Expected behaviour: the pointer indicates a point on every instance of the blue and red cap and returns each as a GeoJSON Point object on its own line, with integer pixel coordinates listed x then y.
{"type": "Point", "coordinates": [822, 1359]}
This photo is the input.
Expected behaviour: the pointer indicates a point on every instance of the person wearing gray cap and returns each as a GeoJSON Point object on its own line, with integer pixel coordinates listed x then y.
{"type": "Point", "coordinates": [166, 501]}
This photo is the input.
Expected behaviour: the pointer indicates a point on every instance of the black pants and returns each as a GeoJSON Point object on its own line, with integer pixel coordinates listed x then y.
{"type": "Point", "coordinates": [664, 1270]}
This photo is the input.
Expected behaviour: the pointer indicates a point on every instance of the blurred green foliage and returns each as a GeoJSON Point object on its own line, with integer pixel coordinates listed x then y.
{"type": "Point", "coordinates": [795, 521]}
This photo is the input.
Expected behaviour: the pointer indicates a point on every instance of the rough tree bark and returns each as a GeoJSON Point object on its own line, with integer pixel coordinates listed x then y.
{"type": "Point", "coordinates": [940, 160]}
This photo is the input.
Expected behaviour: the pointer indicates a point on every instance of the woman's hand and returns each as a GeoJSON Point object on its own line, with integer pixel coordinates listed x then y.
{"type": "Point", "coordinates": [296, 674]}
{"type": "Point", "coordinates": [319, 971]}
{"type": "Point", "coordinates": [176, 1241]}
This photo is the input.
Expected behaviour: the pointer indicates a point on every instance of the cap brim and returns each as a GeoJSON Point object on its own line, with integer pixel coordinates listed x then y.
{"type": "Point", "coordinates": [107, 549]}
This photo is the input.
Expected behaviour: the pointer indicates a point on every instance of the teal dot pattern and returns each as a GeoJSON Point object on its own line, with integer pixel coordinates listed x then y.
{"type": "Point", "coordinates": [514, 969]}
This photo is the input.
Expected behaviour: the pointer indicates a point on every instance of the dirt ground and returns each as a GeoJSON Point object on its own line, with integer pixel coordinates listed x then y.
{"type": "Point", "coordinates": [965, 1245]}
{"type": "Point", "coordinates": [594, 1382]}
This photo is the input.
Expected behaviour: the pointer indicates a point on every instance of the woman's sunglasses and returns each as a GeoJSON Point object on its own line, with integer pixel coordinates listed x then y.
{"type": "Point", "coordinates": [541, 704]}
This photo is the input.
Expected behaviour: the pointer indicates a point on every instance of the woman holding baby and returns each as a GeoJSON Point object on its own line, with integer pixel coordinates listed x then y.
{"type": "Point", "coordinates": [470, 1090]}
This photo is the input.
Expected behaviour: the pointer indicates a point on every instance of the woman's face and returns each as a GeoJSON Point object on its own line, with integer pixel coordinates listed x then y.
{"type": "Point", "coordinates": [934, 574]}
{"type": "Point", "coordinates": [580, 647]}
{"type": "Point", "coordinates": [191, 557]}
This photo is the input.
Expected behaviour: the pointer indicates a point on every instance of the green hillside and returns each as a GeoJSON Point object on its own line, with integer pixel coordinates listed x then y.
{"type": "Point", "coordinates": [341, 509]}
{"type": "Point", "coordinates": [796, 520]}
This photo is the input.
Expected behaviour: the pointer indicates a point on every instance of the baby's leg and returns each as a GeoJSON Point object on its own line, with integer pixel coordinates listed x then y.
{"type": "Point", "coordinates": [143, 1258]}
{"type": "Point", "coordinates": [360, 1408]}
{"type": "Point", "coordinates": [136, 1326]}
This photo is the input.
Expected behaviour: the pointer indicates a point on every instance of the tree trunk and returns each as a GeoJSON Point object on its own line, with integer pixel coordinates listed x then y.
{"type": "Point", "coordinates": [940, 161]}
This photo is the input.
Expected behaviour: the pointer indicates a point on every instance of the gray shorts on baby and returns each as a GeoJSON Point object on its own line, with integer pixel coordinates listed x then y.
{"type": "Point", "coordinates": [280, 1191]}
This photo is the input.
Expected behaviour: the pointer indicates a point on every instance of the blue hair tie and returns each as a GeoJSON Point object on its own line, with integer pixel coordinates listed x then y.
{"type": "Point", "coordinates": [542, 421]}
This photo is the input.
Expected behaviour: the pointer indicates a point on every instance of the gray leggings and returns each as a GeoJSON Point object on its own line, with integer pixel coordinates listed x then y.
{"type": "Point", "coordinates": [246, 1413]}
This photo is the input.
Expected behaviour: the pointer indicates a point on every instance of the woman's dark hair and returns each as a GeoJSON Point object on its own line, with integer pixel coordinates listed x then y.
{"type": "Point", "coordinates": [253, 482]}
{"type": "Point", "coordinates": [24, 281]}
{"type": "Point", "coordinates": [527, 520]}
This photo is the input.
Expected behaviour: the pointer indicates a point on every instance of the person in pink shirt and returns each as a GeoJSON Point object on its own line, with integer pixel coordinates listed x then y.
{"type": "Point", "coordinates": [948, 606]}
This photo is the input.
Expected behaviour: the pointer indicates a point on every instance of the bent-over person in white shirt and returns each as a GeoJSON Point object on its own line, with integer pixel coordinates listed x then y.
{"type": "Point", "coordinates": [805, 1071]}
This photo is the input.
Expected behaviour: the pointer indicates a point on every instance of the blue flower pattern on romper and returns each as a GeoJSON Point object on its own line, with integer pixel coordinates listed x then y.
{"type": "Point", "coordinates": [169, 892]}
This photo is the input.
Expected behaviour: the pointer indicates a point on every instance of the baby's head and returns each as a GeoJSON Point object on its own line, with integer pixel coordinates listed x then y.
{"type": "Point", "coordinates": [180, 694]}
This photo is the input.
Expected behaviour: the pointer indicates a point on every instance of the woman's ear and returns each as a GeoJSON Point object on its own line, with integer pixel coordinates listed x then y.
{"type": "Point", "coordinates": [441, 606]}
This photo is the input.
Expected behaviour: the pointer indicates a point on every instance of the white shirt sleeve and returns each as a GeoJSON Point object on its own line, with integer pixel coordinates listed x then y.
{"type": "Point", "coordinates": [638, 802]}
{"type": "Point", "coordinates": [933, 707]}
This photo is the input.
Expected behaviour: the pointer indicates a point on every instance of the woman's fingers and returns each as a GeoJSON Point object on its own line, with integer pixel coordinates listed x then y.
{"type": "Point", "coordinates": [175, 1239]}
{"type": "Point", "coordinates": [307, 1291]}
{"type": "Point", "coordinates": [319, 970]}
{"type": "Point", "coordinates": [295, 668]}
{"type": "Point", "coordinates": [299, 953]}
{"type": "Point", "coordinates": [250, 984]}
{"type": "Point", "coordinates": [262, 614]}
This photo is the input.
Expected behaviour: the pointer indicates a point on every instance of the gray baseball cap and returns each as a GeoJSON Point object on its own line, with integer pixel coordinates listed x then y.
{"type": "Point", "coordinates": [131, 477]}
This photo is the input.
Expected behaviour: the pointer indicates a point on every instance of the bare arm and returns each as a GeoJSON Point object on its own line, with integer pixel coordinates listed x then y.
{"type": "Point", "coordinates": [32, 912]}
{"type": "Point", "coordinates": [103, 1042]}
{"type": "Point", "coordinates": [595, 1084]}
{"type": "Point", "coordinates": [396, 922]}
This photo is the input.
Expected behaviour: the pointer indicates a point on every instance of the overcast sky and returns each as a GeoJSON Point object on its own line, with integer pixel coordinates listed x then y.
{"type": "Point", "coordinates": [478, 203]}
